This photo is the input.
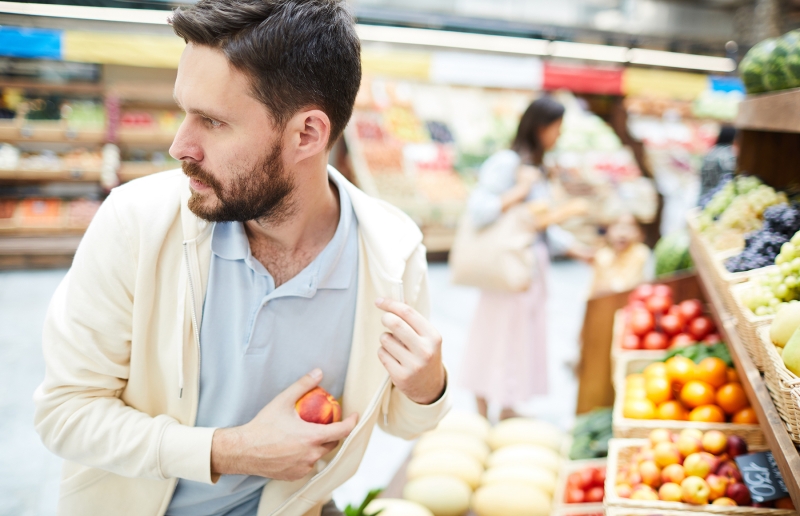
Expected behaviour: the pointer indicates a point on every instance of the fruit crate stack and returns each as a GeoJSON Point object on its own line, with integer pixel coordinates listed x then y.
{"type": "Point", "coordinates": [581, 488]}
{"type": "Point", "coordinates": [690, 471]}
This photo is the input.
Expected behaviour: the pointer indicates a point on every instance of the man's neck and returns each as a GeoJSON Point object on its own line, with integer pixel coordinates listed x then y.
{"type": "Point", "coordinates": [286, 247]}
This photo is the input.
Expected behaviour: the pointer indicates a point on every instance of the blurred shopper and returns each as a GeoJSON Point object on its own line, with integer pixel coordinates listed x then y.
{"type": "Point", "coordinates": [506, 356]}
{"type": "Point", "coordinates": [720, 160]}
{"type": "Point", "coordinates": [624, 261]}
{"type": "Point", "coordinates": [181, 339]}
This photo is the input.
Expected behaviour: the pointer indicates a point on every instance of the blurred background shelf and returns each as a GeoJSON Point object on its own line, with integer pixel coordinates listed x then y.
{"type": "Point", "coordinates": [50, 175]}
{"type": "Point", "coordinates": [50, 249]}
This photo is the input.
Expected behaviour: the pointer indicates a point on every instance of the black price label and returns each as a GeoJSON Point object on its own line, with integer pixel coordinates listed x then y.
{"type": "Point", "coordinates": [762, 477]}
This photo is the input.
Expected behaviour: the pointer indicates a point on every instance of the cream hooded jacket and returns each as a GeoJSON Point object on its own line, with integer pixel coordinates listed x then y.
{"type": "Point", "coordinates": [121, 347]}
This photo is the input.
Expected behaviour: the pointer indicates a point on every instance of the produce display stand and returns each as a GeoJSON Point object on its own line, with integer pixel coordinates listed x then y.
{"type": "Point", "coordinates": [560, 507]}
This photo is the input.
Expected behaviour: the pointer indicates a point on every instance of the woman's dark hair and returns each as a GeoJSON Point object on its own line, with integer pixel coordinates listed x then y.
{"type": "Point", "coordinates": [296, 53]}
{"type": "Point", "coordinates": [727, 135]}
{"type": "Point", "coordinates": [541, 113]}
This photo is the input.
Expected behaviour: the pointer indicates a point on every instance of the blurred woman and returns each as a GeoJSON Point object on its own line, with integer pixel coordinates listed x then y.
{"type": "Point", "coordinates": [720, 160]}
{"type": "Point", "coordinates": [506, 357]}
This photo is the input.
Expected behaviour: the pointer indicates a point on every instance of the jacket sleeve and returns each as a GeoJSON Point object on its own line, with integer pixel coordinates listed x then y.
{"type": "Point", "coordinates": [87, 349]}
{"type": "Point", "coordinates": [405, 418]}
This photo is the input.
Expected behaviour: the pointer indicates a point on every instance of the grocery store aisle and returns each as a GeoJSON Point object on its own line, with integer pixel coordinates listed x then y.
{"type": "Point", "coordinates": [29, 473]}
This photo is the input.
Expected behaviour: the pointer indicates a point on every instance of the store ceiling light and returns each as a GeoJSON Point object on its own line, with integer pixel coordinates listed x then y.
{"type": "Point", "coordinates": [423, 37]}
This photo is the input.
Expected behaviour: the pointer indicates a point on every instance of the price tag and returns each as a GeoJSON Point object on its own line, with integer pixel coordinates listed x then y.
{"type": "Point", "coordinates": [762, 477]}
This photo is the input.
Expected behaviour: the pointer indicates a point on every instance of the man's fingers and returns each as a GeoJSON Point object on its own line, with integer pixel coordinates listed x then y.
{"type": "Point", "coordinates": [335, 432]}
{"type": "Point", "coordinates": [401, 330]}
{"type": "Point", "coordinates": [418, 323]}
{"type": "Point", "coordinates": [395, 348]}
{"type": "Point", "coordinates": [295, 391]}
{"type": "Point", "coordinates": [391, 364]}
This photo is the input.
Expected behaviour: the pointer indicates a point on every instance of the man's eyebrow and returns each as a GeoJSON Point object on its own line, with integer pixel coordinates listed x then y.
{"type": "Point", "coordinates": [198, 112]}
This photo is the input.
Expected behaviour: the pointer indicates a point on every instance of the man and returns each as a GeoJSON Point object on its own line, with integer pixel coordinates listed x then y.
{"type": "Point", "coordinates": [198, 302]}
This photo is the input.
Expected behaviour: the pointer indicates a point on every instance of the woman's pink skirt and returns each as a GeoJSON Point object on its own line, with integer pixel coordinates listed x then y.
{"type": "Point", "coordinates": [506, 355]}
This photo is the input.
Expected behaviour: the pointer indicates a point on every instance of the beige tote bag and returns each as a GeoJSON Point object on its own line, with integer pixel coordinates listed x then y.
{"type": "Point", "coordinates": [497, 257]}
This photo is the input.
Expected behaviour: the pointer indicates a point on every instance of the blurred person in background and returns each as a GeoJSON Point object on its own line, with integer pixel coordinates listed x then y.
{"type": "Point", "coordinates": [720, 160]}
{"type": "Point", "coordinates": [506, 357]}
{"type": "Point", "coordinates": [624, 261]}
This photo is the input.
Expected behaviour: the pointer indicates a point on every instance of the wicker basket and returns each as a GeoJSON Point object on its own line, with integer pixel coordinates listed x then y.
{"type": "Point", "coordinates": [627, 511]}
{"type": "Point", "coordinates": [568, 467]}
{"type": "Point", "coordinates": [641, 428]}
{"type": "Point", "coordinates": [620, 452]}
{"type": "Point", "coordinates": [747, 325]}
{"type": "Point", "coordinates": [722, 279]}
{"type": "Point", "coordinates": [783, 385]}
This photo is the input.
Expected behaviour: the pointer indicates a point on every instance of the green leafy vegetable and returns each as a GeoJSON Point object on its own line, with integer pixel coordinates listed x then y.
{"type": "Point", "coordinates": [698, 352]}
{"type": "Point", "coordinates": [359, 511]}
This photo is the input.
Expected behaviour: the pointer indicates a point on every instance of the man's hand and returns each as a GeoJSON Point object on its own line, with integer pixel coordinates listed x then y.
{"type": "Point", "coordinates": [412, 352]}
{"type": "Point", "coordinates": [277, 444]}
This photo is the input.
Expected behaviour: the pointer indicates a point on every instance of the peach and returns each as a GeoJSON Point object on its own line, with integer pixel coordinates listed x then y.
{"type": "Point", "coordinates": [718, 486]}
{"type": "Point", "coordinates": [715, 442]}
{"type": "Point", "coordinates": [690, 441]}
{"type": "Point", "coordinates": [634, 478]}
{"type": "Point", "coordinates": [730, 470]}
{"type": "Point", "coordinates": [644, 492]}
{"type": "Point", "coordinates": [660, 435]}
{"type": "Point", "coordinates": [318, 406]}
{"type": "Point", "coordinates": [651, 473]}
{"type": "Point", "coordinates": [624, 490]}
{"type": "Point", "coordinates": [724, 501]}
{"type": "Point", "coordinates": [695, 490]}
{"type": "Point", "coordinates": [670, 492]}
{"type": "Point", "coordinates": [700, 464]}
{"type": "Point", "coordinates": [666, 453]}
{"type": "Point", "coordinates": [673, 473]}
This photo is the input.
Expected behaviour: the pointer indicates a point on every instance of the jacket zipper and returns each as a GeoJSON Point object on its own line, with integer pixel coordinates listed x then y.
{"type": "Point", "coordinates": [194, 314]}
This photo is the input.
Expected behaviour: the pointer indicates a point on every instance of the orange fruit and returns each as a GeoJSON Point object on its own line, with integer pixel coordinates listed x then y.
{"type": "Point", "coordinates": [681, 369]}
{"type": "Point", "coordinates": [731, 398]}
{"type": "Point", "coordinates": [672, 410]}
{"type": "Point", "coordinates": [707, 414]}
{"type": "Point", "coordinates": [639, 409]}
{"type": "Point", "coordinates": [635, 380]}
{"type": "Point", "coordinates": [746, 416]}
{"type": "Point", "coordinates": [713, 371]}
{"type": "Point", "coordinates": [696, 393]}
{"type": "Point", "coordinates": [635, 393]}
{"type": "Point", "coordinates": [658, 390]}
{"type": "Point", "coordinates": [655, 370]}
{"type": "Point", "coordinates": [732, 376]}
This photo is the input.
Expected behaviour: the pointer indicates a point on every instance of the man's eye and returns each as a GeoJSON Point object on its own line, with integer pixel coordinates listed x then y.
{"type": "Point", "coordinates": [213, 123]}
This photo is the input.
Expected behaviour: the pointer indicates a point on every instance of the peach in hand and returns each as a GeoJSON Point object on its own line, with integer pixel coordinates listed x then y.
{"type": "Point", "coordinates": [318, 406]}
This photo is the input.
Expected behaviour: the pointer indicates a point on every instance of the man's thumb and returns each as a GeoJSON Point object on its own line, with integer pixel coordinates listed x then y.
{"type": "Point", "coordinates": [307, 382]}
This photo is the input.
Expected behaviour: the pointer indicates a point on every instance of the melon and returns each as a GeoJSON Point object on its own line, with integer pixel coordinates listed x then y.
{"type": "Point", "coordinates": [511, 499]}
{"type": "Point", "coordinates": [447, 440]}
{"type": "Point", "coordinates": [396, 507]}
{"type": "Point", "coordinates": [525, 455]}
{"type": "Point", "coordinates": [446, 462]}
{"type": "Point", "coordinates": [442, 495]}
{"type": "Point", "coordinates": [520, 430]}
{"type": "Point", "coordinates": [753, 66]}
{"type": "Point", "coordinates": [671, 253]}
{"type": "Point", "coordinates": [467, 423]}
{"type": "Point", "coordinates": [535, 476]}
{"type": "Point", "coordinates": [779, 72]}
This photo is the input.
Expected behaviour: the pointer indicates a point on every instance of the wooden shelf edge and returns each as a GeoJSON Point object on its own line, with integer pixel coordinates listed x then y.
{"type": "Point", "coordinates": [776, 112]}
{"type": "Point", "coordinates": [49, 175]}
{"type": "Point", "coordinates": [786, 455]}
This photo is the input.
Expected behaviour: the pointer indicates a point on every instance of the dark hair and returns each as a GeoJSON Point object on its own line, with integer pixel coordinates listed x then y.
{"type": "Point", "coordinates": [727, 135]}
{"type": "Point", "coordinates": [541, 113]}
{"type": "Point", "coordinates": [297, 53]}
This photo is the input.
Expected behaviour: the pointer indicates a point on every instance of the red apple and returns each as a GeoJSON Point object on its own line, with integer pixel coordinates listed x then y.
{"type": "Point", "coordinates": [655, 340]}
{"type": "Point", "coordinates": [681, 340]}
{"type": "Point", "coordinates": [658, 304]}
{"type": "Point", "coordinates": [642, 322]}
{"type": "Point", "coordinates": [736, 446]}
{"type": "Point", "coordinates": [691, 309]}
{"type": "Point", "coordinates": [738, 493]}
{"type": "Point", "coordinates": [730, 470]}
{"type": "Point", "coordinates": [630, 341]}
{"type": "Point", "coordinates": [700, 327]}
{"type": "Point", "coordinates": [595, 495]}
{"type": "Point", "coordinates": [671, 324]}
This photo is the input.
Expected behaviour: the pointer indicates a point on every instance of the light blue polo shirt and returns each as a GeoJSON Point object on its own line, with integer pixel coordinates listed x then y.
{"type": "Point", "coordinates": [256, 340]}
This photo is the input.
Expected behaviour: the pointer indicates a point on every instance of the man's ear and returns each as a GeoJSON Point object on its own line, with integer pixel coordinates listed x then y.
{"type": "Point", "coordinates": [308, 134]}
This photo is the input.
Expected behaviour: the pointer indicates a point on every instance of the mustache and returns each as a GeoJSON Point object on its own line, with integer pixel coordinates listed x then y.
{"type": "Point", "coordinates": [195, 171]}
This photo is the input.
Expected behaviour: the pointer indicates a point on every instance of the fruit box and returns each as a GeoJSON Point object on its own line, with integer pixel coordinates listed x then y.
{"type": "Point", "coordinates": [722, 279]}
{"type": "Point", "coordinates": [783, 385]}
{"type": "Point", "coordinates": [620, 452]}
{"type": "Point", "coordinates": [629, 511]}
{"type": "Point", "coordinates": [616, 342]}
{"type": "Point", "coordinates": [748, 323]}
{"type": "Point", "coordinates": [560, 506]}
{"type": "Point", "coordinates": [640, 428]}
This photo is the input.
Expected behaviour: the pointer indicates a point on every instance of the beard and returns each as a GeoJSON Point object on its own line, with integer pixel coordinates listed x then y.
{"type": "Point", "coordinates": [262, 193]}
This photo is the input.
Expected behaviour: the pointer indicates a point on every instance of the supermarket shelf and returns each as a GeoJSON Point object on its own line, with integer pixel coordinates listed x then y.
{"type": "Point", "coordinates": [779, 112]}
{"type": "Point", "coordinates": [50, 175]}
{"type": "Point", "coordinates": [77, 88]}
{"type": "Point", "coordinates": [145, 137]}
{"type": "Point", "coordinates": [131, 170]}
{"type": "Point", "coordinates": [47, 132]}
{"type": "Point", "coordinates": [777, 437]}
{"type": "Point", "coordinates": [40, 251]}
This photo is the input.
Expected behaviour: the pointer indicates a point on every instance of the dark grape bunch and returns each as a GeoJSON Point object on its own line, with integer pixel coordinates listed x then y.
{"type": "Point", "coordinates": [781, 222]}
{"type": "Point", "coordinates": [706, 198]}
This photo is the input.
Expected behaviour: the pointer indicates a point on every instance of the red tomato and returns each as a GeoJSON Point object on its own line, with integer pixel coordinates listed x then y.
{"type": "Point", "coordinates": [599, 477]}
{"type": "Point", "coordinates": [681, 340]}
{"type": "Point", "coordinates": [641, 293]}
{"type": "Point", "coordinates": [691, 309]}
{"type": "Point", "coordinates": [630, 341]}
{"type": "Point", "coordinates": [662, 290]}
{"type": "Point", "coordinates": [658, 304]}
{"type": "Point", "coordinates": [595, 495]}
{"type": "Point", "coordinates": [672, 324]}
{"type": "Point", "coordinates": [642, 322]}
{"type": "Point", "coordinates": [655, 340]}
{"type": "Point", "coordinates": [575, 495]}
{"type": "Point", "coordinates": [575, 480]}
{"type": "Point", "coordinates": [712, 338]}
{"type": "Point", "coordinates": [700, 327]}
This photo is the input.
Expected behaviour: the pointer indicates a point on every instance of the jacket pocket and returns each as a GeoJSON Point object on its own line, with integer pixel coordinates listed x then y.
{"type": "Point", "coordinates": [80, 480]}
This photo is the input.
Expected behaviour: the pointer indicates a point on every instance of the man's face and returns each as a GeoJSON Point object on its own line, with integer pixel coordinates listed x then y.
{"type": "Point", "coordinates": [230, 148]}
